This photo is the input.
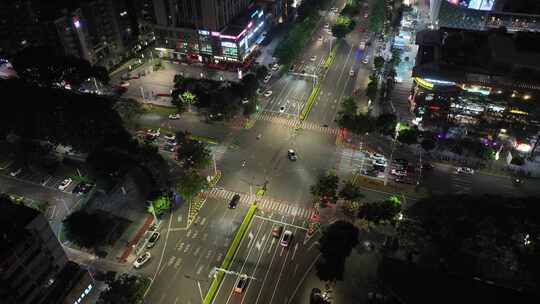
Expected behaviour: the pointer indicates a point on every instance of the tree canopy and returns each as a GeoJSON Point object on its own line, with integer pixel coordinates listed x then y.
{"type": "Point", "coordinates": [125, 289]}
{"type": "Point", "coordinates": [483, 236]}
{"type": "Point", "coordinates": [89, 230]}
{"type": "Point", "coordinates": [337, 242]}
{"type": "Point", "coordinates": [326, 188]}
{"type": "Point", "coordinates": [190, 184]}
{"type": "Point", "coordinates": [190, 153]}
{"type": "Point", "coordinates": [343, 26]}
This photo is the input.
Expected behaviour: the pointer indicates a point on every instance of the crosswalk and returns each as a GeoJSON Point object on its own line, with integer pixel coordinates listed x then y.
{"type": "Point", "coordinates": [461, 184]}
{"type": "Point", "coordinates": [264, 203]}
{"type": "Point", "coordinates": [295, 123]}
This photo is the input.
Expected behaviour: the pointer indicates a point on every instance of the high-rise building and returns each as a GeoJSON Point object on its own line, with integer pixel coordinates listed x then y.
{"type": "Point", "coordinates": [209, 31]}
{"type": "Point", "coordinates": [33, 266]}
{"type": "Point", "coordinates": [515, 15]}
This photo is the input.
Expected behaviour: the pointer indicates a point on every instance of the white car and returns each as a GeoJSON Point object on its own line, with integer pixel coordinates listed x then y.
{"type": "Point", "coordinates": [282, 109]}
{"type": "Point", "coordinates": [286, 238]}
{"type": "Point", "coordinates": [327, 26]}
{"type": "Point", "coordinates": [124, 84]}
{"type": "Point", "coordinates": [267, 93]}
{"type": "Point", "coordinates": [170, 137]}
{"type": "Point", "coordinates": [275, 67]}
{"type": "Point", "coordinates": [245, 100]}
{"type": "Point", "coordinates": [398, 172]}
{"type": "Point", "coordinates": [174, 116]}
{"type": "Point", "coordinates": [16, 172]}
{"type": "Point", "coordinates": [142, 259]}
{"type": "Point", "coordinates": [377, 156]}
{"type": "Point", "coordinates": [351, 72]}
{"type": "Point", "coordinates": [365, 60]}
{"type": "Point", "coordinates": [313, 58]}
{"type": "Point", "coordinates": [258, 92]}
{"type": "Point", "coordinates": [465, 170]}
{"type": "Point", "coordinates": [154, 133]}
{"type": "Point", "coordinates": [267, 78]}
{"type": "Point", "coordinates": [380, 163]}
{"type": "Point", "coordinates": [65, 183]}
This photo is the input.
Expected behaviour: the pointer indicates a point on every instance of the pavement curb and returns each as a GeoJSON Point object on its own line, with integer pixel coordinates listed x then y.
{"type": "Point", "coordinates": [216, 283]}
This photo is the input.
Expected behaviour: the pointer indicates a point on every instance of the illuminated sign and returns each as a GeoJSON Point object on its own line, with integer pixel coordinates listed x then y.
{"type": "Point", "coordinates": [482, 5]}
{"type": "Point", "coordinates": [250, 24]}
{"type": "Point", "coordinates": [216, 34]}
{"type": "Point", "coordinates": [227, 36]}
{"type": "Point", "coordinates": [254, 14]}
{"type": "Point", "coordinates": [421, 82]}
{"type": "Point", "coordinates": [261, 13]}
{"type": "Point", "coordinates": [205, 33]}
{"type": "Point", "coordinates": [228, 44]}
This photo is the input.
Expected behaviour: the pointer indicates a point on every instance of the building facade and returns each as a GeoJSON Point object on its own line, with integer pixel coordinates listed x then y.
{"type": "Point", "coordinates": [208, 31]}
{"type": "Point", "coordinates": [33, 266]}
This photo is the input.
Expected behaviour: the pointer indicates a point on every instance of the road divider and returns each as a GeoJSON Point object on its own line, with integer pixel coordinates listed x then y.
{"type": "Point", "coordinates": [230, 254]}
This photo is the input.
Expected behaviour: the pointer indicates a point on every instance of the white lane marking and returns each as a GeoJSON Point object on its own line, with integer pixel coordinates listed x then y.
{"type": "Point", "coordinates": [281, 271]}
{"type": "Point", "coordinates": [161, 258]}
{"type": "Point", "coordinates": [294, 252]}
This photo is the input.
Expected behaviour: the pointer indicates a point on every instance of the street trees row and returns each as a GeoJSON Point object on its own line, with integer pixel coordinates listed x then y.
{"type": "Point", "coordinates": [125, 288]}
{"type": "Point", "coordinates": [343, 26]}
{"type": "Point", "coordinates": [326, 190]}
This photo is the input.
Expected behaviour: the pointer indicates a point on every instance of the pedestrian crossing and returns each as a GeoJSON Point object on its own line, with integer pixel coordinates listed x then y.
{"type": "Point", "coordinates": [295, 123]}
{"type": "Point", "coordinates": [264, 203]}
{"type": "Point", "coordinates": [461, 184]}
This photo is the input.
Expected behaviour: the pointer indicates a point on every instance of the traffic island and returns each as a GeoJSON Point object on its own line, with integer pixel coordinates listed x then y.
{"type": "Point", "coordinates": [218, 276]}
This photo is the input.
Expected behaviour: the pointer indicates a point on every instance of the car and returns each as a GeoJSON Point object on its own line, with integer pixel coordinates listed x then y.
{"type": "Point", "coordinates": [245, 100]}
{"type": "Point", "coordinates": [275, 67]}
{"type": "Point", "coordinates": [320, 39]}
{"type": "Point", "coordinates": [398, 172]}
{"type": "Point", "coordinates": [401, 161]}
{"type": "Point", "coordinates": [241, 283]}
{"type": "Point", "coordinates": [327, 25]}
{"type": "Point", "coordinates": [351, 72]}
{"type": "Point", "coordinates": [316, 296]}
{"type": "Point", "coordinates": [153, 239]}
{"type": "Point", "coordinates": [267, 78]}
{"type": "Point", "coordinates": [82, 188]}
{"type": "Point", "coordinates": [258, 92]}
{"type": "Point", "coordinates": [291, 155]}
{"type": "Point", "coordinates": [142, 259]}
{"type": "Point", "coordinates": [464, 170]}
{"type": "Point", "coordinates": [427, 166]}
{"type": "Point", "coordinates": [234, 201]}
{"type": "Point", "coordinates": [267, 93]}
{"type": "Point", "coordinates": [334, 9]}
{"type": "Point", "coordinates": [313, 58]}
{"type": "Point", "coordinates": [276, 231]}
{"type": "Point", "coordinates": [404, 180]}
{"type": "Point", "coordinates": [169, 136]}
{"type": "Point", "coordinates": [65, 183]}
{"type": "Point", "coordinates": [378, 156]}
{"type": "Point", "coordinates": [16, 172]}
{"type": "Point", "coordinates": [282, 109]}
{"type": "Point", "coordinates": [286, 238]}
{"type": "Point", "coordinates": [380, 163]}
{"type": "Point", "coordinates": [366, 15]}
{"type": "Point", "coordinates": [174, 116]}
{"type": "Point", "coordinates": [124, 84]}
{"type": "Point", "coordinates": [154, 133]}
{"type": "Point", "coordinates": [169, 147]}
{"type": "Point", "coordinates": [365, 60]}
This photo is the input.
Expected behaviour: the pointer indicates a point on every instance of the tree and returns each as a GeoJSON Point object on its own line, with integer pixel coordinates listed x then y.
{"type": "Point", "coordinates": [89, 230]}
{"type": "Point", "coordinates": [378, 62]}
{"type": "Point", "coordinates": [343, 26]}
{"type": "Point", "coordinates": [260, 72]}
{"type": "Point", "coordinates": [191, 154]}
{"type": "Point", "coordinates": [160, 205]}
{"type": "Point", "coordinates": [188, 98]}
{"type": "Point", "coordinates": [377, 16]}
{"type": "Point", "coordinates": [326, 188]}
{"type": "Point", "coordinates": [371, 90]}
{"type": "Point", "coordinates": [128, 109]}
{"type": "Point", "coordinates": [250, 107]}
{"type": "Point", "coordinates": [125, 289]}
{"type": "Point", "coordinates": [349, 106]}
{"type": "Point", "coordinates": [248, 86]}
{"type": "Point", "coordinates": [364, 123]}
{"type": "Point", "coordinates": [295, 40]}
{"type": "Point", "coordinates": [351, 192]}
{"type": "Point", "coordinates": [337, 242]}
{"type": "Point", "coordinates": [386, 123]}
{"type": "Point", "coordinates": [378, 212]}
{"type": "Point", "coordinates": [408, 136]}
{"type": "Point", "coordinates": [190, 184]}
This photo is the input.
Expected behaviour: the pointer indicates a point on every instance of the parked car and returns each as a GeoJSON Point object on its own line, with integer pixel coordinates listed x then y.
{"type": "Point", "coordinates": [313, 58]}
{"type": "Point", "coordinates": [169, 137]}
{"type": "Point", "coordinates": [365, 60]}
{"type": "Point", "coordinates": [377, 156]}
{"type": "Point", "coordinates": [82, 188]}
{"type": "Point", "coordinates": [276, 231]}
{"type": "Point", "coordinates": [267, 93]}
{"type": "Point", "coordinates": [281, 109]}
{"type": "Point", "coordinates": [154, 133]}
{"type": "Point", "coordinates": [351, 72]}
{"type": "Point", "coordinates": [234, 201]}
{"type": "Point", "coordinates": [241, 283]}
{"type": "Point", "coordinates": [291, 155]}
{"type": "Point", "coordinates": [65, 183]}
{"type": "Point", "coordinates": [245, 100]}
{"type": "Point", "coordinates": [152, 240]}
{"type": "Point", "coordinates": [275, 67]}
{"type": "Point", "coordinates": [15, 172]}
{"type": "Point", "coordinates": [142, 259]}
{"type": "Point", "coordinates": [464, 170]}
{"type": "Point", "coordinates": [380, 163]}
{"type": "Point", "coordinates": [174, 116]}
{"type": "Point", "coordinates": [286, 239]}
{"type": "Point", "coordinates": [398, 172]}
{"type": "Point", "coordinates": [267, 78]}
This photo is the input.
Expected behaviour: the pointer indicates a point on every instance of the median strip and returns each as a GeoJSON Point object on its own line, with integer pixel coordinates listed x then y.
{"type": "Point", "coordinates": [230, 254]}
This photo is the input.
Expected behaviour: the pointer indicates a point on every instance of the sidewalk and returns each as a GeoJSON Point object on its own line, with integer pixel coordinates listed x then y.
{"type": "Point", "coordinates": [130, 251]}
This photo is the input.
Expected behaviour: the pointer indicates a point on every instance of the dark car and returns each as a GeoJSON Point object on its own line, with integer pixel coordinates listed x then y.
{"type": "Point", "coordinates": [316, 296]}
{"type": "Point", "coordinates": [234, 201]}
{"type": "Point", "coordinates": [82, 188]}
{"type": "Point", "coordinates": [276, 232]}
{"type": "Point", "coordinates": [401, 161]}
{"type": "Point", "coordinates": [291, 155]}
{"type": "Point", "coordinates": [152, 240]}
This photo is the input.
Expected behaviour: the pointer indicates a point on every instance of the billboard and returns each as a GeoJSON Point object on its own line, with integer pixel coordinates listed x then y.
{"type": "Point", "coordinates": [482, 5]}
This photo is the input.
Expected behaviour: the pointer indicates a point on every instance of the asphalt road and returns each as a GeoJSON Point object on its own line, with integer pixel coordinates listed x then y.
{"type": "Point", "coordinates": [275, 271]}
